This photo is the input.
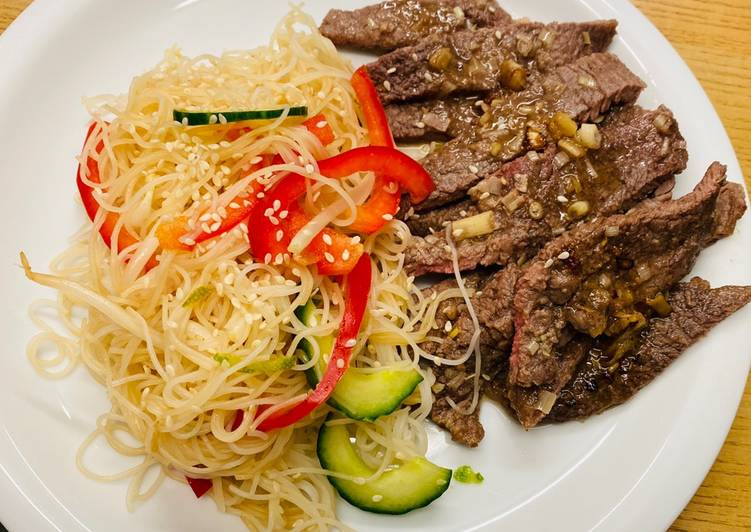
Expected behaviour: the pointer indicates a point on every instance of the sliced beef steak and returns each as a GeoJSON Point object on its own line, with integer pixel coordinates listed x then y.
{"type": "Point", "coordinates": [583, 90]}
{"type": "Point", "coordinates": [600, 383]}
{"type": "Point", "coordinates": [492, 303]}
{"type": "Point", "coordinates": [534, 198]}
{"type": "Point", "coordinates": [517, 122]}
{"type": "Point", "coordinates": [397, 23]}
{"type": "Point", "coordinates": [485, 59]}
{"type": "Point", "coordinates": [590, 279]}
{"type": "Point", "coordinates": [435, 119]}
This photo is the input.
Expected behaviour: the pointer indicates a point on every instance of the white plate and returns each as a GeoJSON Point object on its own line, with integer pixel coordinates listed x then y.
{"type": "Point", "coordinates": [633, 468]}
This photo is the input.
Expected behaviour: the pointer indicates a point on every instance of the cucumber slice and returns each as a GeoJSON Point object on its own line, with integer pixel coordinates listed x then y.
{"type": "Point", "coordinates": [358, 395]}
{"type": "Point", "coordinates": [414, 484]}
{"type": "Point", "coordinates": [202, 118]}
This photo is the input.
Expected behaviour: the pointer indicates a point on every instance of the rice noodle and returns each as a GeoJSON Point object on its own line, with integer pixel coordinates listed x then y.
{"type": "Point", "coordinates": [173, 400]}
{"type": "Point", "coordinates": [474, 344]}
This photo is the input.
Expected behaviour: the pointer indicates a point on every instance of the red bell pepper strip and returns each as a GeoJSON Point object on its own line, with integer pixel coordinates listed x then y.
{"type": "Point", "coordinates": [320, 127]}
{"type": "Point", "coordinates": [278, 218]}
{"type": "Point", "coordinates": [372, 110]}
{"type": "Point", "coordinates": [170, 234]}
{"type": "Point", "coordinates": [384, 199]}
{"type": "Point", "coordinates": [335, 252]}
{"type": "Point", "coordinates": [388, 162]}
{"type": "Point", "coordinates": [274, 220]}
{"type": "Point", "coordinates": [356, 290]}
{"type": "Point", "coordinates": [199, 485]}
{"type": "Point", "coordinates": [381, 206]}
{"type": "Point", "coordinates": [91, 205]}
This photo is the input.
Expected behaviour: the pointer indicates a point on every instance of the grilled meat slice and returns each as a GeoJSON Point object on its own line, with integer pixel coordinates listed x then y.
{"type": "Point", "coordinates": [397, 23]}
{"type": "Point", "coordinates": [485, 59]}
{"type": "Point", "coordinates": [536, 198]}
{"type": "Point", "coordinates": [492, 300]}
{"type": "Point", "coordinates": [599, 383]}
{"type": "Point", "coordinates": [591, 279]}
{"type": "Point", "coordinates": [514, 123]}
{"type": "Point", "coordinates": [569, 89]}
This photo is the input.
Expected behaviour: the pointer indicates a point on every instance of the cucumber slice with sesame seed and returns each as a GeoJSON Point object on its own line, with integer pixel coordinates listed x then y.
{"type": "Point", "coordinates": [412, 484]}
{"type": "Point", "coordinates": [202, 118]}
{"type": "Point", "coordinates": [359, 394]}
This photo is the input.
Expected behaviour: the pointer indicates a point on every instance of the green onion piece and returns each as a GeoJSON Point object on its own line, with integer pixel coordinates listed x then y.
{"type": "Point", "coordinates": [197, 295]}
{"type": "Point", "coordinates": [468, 475]}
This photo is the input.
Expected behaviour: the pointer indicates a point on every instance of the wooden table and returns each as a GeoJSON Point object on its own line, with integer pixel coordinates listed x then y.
{"type": "Point", "coordinates": [714, 38]}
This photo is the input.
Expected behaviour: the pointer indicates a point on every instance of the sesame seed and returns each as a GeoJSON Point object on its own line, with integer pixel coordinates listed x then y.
{"type": "Point", "coordinates": [260, 195]}
{"type": "Point", "coordinates": [548, 263]}
{"type": "Point", "coordinates": [222, 119]}
{"type": "Point", "coordinates": [256, 160]}
{"type": "Point", "coordinates": [462, 213]}
{"type": "Point", "coordinates": [213, 119]}
{"type": "Point", "coordinates": [205, 217]}
{"type": "Point", "coordinates": [387, 85]}
{"type": "Point", "coordinates": [562, 199]}
{"type": "Point", "coordinates": [427, 76]}
{"type": "Point", "coordinates": [279, 235]}
{"type": "Point", "coordinates": [345, 255]}
{"type": "Point", "coordinates": [414, 57]}
{"type": "Point", "coordinates": [340, 363]}
{"type": "Point", "coordinates": [329, 257]}
{"type": "Point", "coordinates": [498, 35]}
{"type": "Point", "coordinates": [420, 125]}
{"type": "Point", "coordinates": [234, 205]}
{"type": "Point", "coordinates": [355, 239]}
{"type": "Point", "coordinates": [309, 168]}
{"type": "Point", "coordinates": [473, 169]}
{"type": "Point", "coordinates": [484, 195]}
{"type": "Point", "coordinates": [564, 255]}
{"type": "Point", "coordinates": [388, 217]}
{"type": "Point", "coordinates": [391, 70]}
{"type": "Point", "coordinates": [350, 343]}
{"type": "Point", "coordinates": [448, 326]}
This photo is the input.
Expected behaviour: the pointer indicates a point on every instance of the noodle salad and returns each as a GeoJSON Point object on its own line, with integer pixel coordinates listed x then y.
{"type": "Point", "coordinates": [242, 283]}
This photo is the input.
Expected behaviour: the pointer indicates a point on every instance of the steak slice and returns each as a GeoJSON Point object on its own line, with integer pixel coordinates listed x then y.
{"type": "Point", "coordinates": [441, 119]}
{"type": "Point", "coordinates": [535, 198]}
{"type": "Point", "coordinates": [598, 385]}
{"type": "Point", "coordinates": [589, 279]}
{"type": "Point", "coordinates": [473, 61]}
{"type": "Point", "coordinates": [514, 123]}
{"type": "Point", "coordinates": [492, 302]}
{"type": "Point", "coordinates": [567, 89]}
{"type": "Point", "coordinates": [390, 25]}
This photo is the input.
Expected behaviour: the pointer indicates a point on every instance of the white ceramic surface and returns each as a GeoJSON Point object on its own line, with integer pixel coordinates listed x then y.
{"type": "Point", "coordinates": [633, 468]}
